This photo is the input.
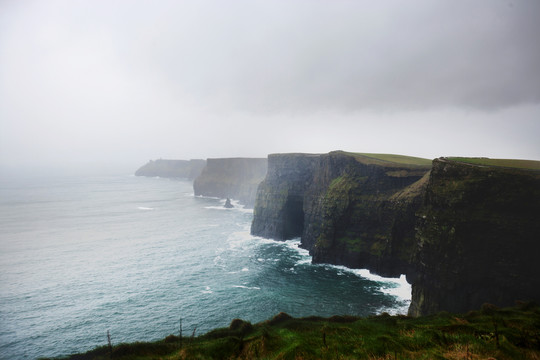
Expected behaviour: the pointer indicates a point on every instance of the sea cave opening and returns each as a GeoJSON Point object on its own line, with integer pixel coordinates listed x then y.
{"type": "Point", "coordinates": [293, 217]}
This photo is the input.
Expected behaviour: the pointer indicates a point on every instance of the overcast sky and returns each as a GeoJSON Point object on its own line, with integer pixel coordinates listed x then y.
{"type": "Point", "coordinates": [122, 82]}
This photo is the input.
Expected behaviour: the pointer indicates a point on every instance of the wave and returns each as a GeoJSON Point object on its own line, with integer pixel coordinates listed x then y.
{"type": "Point", "coordinates": [247, 287]}
{"type": "Point", "coordinates": [144, 208]}
{"type": "Point", "coordinates": [396, 287]}
{"type": "Point", "coordinates": [207, 197]}
{"type": "Point", "coordinates": [235, 203]}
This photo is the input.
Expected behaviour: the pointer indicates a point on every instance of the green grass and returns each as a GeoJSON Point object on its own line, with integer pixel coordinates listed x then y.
{"type": "Point", "coordinates": [510, 333]}
{"type": "Point", "coordinates": [391, 159]}
{"type": "Point", "coordinates": [509, 163]}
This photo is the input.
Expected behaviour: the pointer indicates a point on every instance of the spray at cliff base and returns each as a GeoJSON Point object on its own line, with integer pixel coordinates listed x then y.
{"type": "Point", "coordinates": [132, 255]}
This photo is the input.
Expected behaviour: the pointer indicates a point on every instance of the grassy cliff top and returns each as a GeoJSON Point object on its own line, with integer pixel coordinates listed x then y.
{"type": "Point", "coordinates": [511, 333]}
{"type": "Point", "coordinates": [509, 163]}
{"type": "Point", "coordinates": [390, 159]}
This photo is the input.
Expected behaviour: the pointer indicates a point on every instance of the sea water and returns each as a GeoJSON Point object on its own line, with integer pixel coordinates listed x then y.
{"type": "Point", "coordinates": [80, 256]}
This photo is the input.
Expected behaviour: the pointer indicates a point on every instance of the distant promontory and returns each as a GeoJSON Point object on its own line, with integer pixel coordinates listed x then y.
{"type": "Point", "coordinates": [183, 169]}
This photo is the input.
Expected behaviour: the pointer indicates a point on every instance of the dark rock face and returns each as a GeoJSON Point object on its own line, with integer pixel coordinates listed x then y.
{"type": "Point", "coordinates": [362, 214]}
{"type": "Point", "coordinates": [278, 212]}
{"type": "Point", "coordinates": [478, 238]}
{"type": "Point", "coordinates": [228, 204]}
{"type": "Point", "coordinates": [463, 234]}
{"type": "Point", "coordinates": [348, 209]}
{"type": "Point", "coordinates": [235, 178]}
{"type": "Point", "coordinates": [186, 169]}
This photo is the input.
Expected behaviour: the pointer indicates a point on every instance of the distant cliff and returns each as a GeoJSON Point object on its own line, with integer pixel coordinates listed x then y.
{"type": "Point", "coordinates": [464, 233]}
{"type": "Point", "coordinates": [235, 178]}
{"type": "Point", "coordinates": [188, 169]}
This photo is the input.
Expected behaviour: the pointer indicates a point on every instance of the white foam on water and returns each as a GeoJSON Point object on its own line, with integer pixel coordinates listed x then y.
{"type": "Point", "coordinates": [207, 197]}
{"type": "Point", "coordinates": [239, 239]}
{"type": "Point", "coordinates": [207, 290]}
{"type": "Point", "coordinates": [217, 208]}
{"type": "Point", "coordinates": [235, 203]}
{"type": "Point", "coordinates": [247, 287]}
{"type": "Point", "coordinates": [144, 208]}
{"type": "Point", "coordinates": [397, 287]}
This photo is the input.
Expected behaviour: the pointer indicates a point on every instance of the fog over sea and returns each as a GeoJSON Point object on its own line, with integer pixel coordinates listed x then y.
{"type": "Point", "coordinates": [80, 256]}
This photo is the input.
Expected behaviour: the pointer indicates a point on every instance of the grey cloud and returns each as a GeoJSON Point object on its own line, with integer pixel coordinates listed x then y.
{"type": "Point", "coordinates": [357, 55]}
{"type": "Point", "coordinates": [209, 78]}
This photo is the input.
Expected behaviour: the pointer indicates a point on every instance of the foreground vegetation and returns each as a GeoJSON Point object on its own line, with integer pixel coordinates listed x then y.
{"type": "Point", "coordinates": [510, 333]}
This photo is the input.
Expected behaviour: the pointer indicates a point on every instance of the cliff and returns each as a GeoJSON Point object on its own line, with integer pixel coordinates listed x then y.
{"type": "Point", "coordinates": [278, 211]}
{"type": "Point", "coordinates": [188, 169]}
{"type": "Point", "coordinates": [235, 178]}
{"type": "Point", "coordinates": [465, 233]}
{"type": "Point", "coordinates": [478, 236]}
{"type": "Point", "coordinates": [360, 211]}
{"type": "Point", "coordinates": [356, 210]}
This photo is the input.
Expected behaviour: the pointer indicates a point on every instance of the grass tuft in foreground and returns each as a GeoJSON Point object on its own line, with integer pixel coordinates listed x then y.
{"type": "Point", "coordinates": [510, 333]}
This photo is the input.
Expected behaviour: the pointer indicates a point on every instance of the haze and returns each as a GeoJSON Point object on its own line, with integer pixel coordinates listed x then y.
{"type": "Point", "coordinates": [116, 83]}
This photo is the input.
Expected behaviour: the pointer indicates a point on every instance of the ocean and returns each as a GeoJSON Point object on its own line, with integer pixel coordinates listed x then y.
{"type": "Point", "coordinates": [83, 255]}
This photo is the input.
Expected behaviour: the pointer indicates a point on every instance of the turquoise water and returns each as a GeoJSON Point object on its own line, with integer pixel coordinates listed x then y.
{"type": "Point", "coordinates": [80, 256]}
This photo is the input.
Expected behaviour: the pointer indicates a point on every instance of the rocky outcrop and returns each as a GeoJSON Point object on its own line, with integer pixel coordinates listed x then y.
{"type": "Point", "coordinates": [228, 204]}
{"type": "Point", "coordinates": [235, 178]}
{"type": "Point", "coordinates": [186, 169]}
{"type": "Point", "coordinates": [478, 238]}
{"type": "Point", "coordinates": [464, 233]}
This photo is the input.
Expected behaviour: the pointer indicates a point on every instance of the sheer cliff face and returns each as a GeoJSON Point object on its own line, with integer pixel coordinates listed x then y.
{"type": "Point", "coordinates": [235, 178]}
{"type": "Point", "coordinates": [464, 234]}
{"type": "Point", "coordinates": [478, 238]}
{"type": "Point", "coordinates": [278, 211]}
{"type": "Point", "coordinates": [348, 209]}
{"type": "Point", "coordinates": [360, 212]}
{"type": "Point", "coordinates": [187, 169]}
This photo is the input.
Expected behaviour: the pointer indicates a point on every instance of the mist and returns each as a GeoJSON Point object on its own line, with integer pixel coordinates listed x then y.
{"type": "Point", "coordinates": [110, 85]}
